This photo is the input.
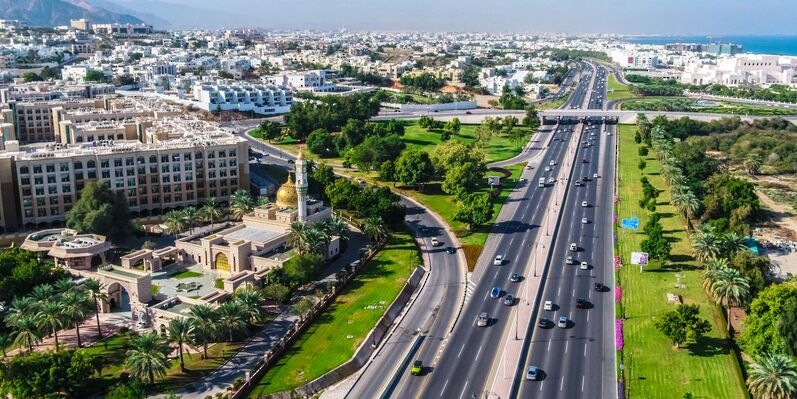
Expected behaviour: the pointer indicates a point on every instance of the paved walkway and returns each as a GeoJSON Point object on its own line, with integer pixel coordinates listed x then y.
{"type": "Point", "coordinates": [109, 323]}
{"type": "Point", "coordinates": [248, 357]}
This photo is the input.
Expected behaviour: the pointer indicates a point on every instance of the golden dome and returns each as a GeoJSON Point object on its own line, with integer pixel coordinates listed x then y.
{"type": "Point", "coordinates": [286, 195]}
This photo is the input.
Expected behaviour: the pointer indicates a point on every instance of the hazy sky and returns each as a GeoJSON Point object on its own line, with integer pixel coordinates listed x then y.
{"type": "Point", "coordinates": [572, 16]}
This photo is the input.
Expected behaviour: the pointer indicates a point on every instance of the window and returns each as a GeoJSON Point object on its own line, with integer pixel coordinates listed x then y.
{"type": "Point", "coordinates": [142, 170]}
{"type": "Point", "coordinates": [177, 188]}
{"type": "Point", "coordinates": [50, 179]}
{"type": "Point", "coordinates": [64, 167]}
{"type": "Point", "coordinates": [41, 202]}
{"type": "Point", "coordinates": [66, 188]}
{"type": "Point", "coordinates": [53, 200]}
{"type": "Point", "coordinates": [140, 160]}
{"type": "Point", "coordinates": [117, 163]}
{"type": "Point", "coordinates": [105, 163]}
{"type": "Point", "coordinates": [118, 173]}
{"type": "Point", "coordinates": [155, 189]}
{"type": "Point", "coordinates": [28, 213]}
{"type": "Point", "coordinates": [164, 158]}
{"type": "Point", "coordinates": [131, 181]}
{"type": "Point", "coordinates": [153, 159]}
{"type": "Point", "coordinates": [50, 168]}
{"type": "Point", "coordinates": [164, 168]}
{"type": "Point", "coordinates": [78, 165]}
{"type": "Point", "coordinates": [129, 161]}
{"type": "Point", "coordinates": [131, 192]}
{"type": "Point", "coordinates": [40, 191]}
{"type": "Point", "coordinates": [187, 156]}
{"type": "Point", "coordinates": [92, 174]}
{"type": "Point", "coordinates": [222, 154]}
{"type": "Point", "coordinates": [42, 212]}
{"type": "Point", "coordinates": [176, 167]}
{"type": "Point", "coordinates": [54, 212]}
{"type": "Point", "coordinates": [131, 171]}
{"type": "Point", "coordinates": [67, 199]}
{"type": "Point", "coordinates": [24, 170]}
{"type": "Point", "coordinates": [166, 179]}
{"type": "Point", "coordinates": [153, 169]}
{"type": "Point", "coordinates": [91, 164]}
{"type": "Point", "coordinates": [52, 189]}
{"type": "Point", "coordinates": [37, 169]}
{"type": "Point", "coordinates": [167, 198]}
{"type": "Point", "coordinates": [198, 155]}
{"type": "Point", "coordinates": [78, 175]}
{"type": "Point", "coordinates": [26, 192]}
{"type": "Point", "coordinates": [65, 178]}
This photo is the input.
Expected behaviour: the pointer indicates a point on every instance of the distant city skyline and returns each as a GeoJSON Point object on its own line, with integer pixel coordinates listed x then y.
{"type": "Point", "coordinates": [674, 17]}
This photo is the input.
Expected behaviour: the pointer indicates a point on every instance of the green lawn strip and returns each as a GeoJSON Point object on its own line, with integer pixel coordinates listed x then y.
{"type": "Point", "coordinates": [617, 90]}
{"type": "Point", "coordinates": [196, 367]}
{"type": "Point", "coordinates": [112, 350]}
{"type": "Point", "coordinates": [326, 343]}
{"type": "Point", "coordinates": [684, 104]}
{"type": "Point", "coordinates": [654, 369]}
{"type": "Point", "coordinates": [186, 274]}
{"type": "Point", "coordinates": [499, 147]}
{"type": "Point", "coordinates": [555, 103]}
{"type": "Point", "coordinates": [219, 283]}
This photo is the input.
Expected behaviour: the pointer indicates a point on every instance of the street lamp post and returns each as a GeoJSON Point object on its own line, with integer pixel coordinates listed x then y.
{"type": "Point", "coordinates": [373, 307]}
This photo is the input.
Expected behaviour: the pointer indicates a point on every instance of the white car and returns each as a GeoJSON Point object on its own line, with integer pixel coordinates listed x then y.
{"type": "Point", "coordinates": [547, 168]}
{"type": "Point", "coordinates": [435, 242]}
{"type": "Point", "coordinates": [551, 180]}
{"type": "Point", "coordinates": [522, 179]}
{"type": "Point", "coordinates": [584, 204]}
{"type": "Point", "coordinates": [584, 266]}
{"type": "Point", "coordinates": [569, 260]}
{"type": "Point", "coordinates": [548, 305]}
{"type": "Point", "coordinates": [551, 162]}
{"type": "Point", "coordinates": [499, 259]}
{"type": "Point", "coordinates": [562, 322]}
{"type": "Point", "coordinates": [594, 175]}
{"type": "Point", "coordinates": [584, 221]}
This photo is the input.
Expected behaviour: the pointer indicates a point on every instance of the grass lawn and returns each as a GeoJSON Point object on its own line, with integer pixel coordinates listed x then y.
{"type": "Point", "coordinates": [112, 350]}
{"type": "Point", "coordinates": [683, 104]}
{"type": "Point", "coordinates": [219, 283]}
{"type": "Point", "coordinates": [617, 90]}
{"type": "Point", "coordinates": [706, 369]}
{"type": "Point", "coordinates": [154, 289]}
{"type": "Point", "coordinates": [186, 274]}
{"type": "Point", "coordinates": [325, 345]}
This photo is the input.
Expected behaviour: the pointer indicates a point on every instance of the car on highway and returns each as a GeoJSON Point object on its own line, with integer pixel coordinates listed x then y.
{"type": "Point", "coordinates": [584, 178]}
{"type": "Point", "coordinates": [423, 228]}
{"type": "Point", "coordinates": [509, 300]}
{"type": "Point", "coordinates": [547, 168]}
{"type": "Point", "coordinates": [594, 175]}
{"type": "Point", "coordinates": [569, 260]}
{"type": "Point", "coordinates": [544, 323]}
{"type": "Point", "coordinates": [495, 292]}
{"type": "Point", "coordinates": [435, 242]}
{"type": "Point", "coordinates": [581, 303]}
{"type": "Point", "coordinates": [291, 161]}
{"type": "Point", "coordinates": [522, 180]}
{"type": "Point", "coordinates": [599, 287]}
{"type": "Point", "coordinates": [548, 305]}
{"type": "Point", "coordinates": [584, 161]}
{"type": "Point", "coordinates": [450, 250]}
{"type": "Point", "coordinates": [584, 204]}
{"type": "Point", "coordinates": [552, 162]}
{"type": "Point", "coordinates": [551, 180]}
{"type": "Point", "coordinates": [514, 277]}
{"type": "Point", "coordinates": [584, 220]}
{"type": "Point", "coordinates": [578, 183]}
{"type": "Point", "coordinates": [562, 322]}
{"type": "Point", "coordinates": [573, 247]}
{"type": "Point", "coordinates": [417, 367]}
{"type": "Point", "coordinates": [531, 373]}
{"type": "Point", "coordinates": [584, 266]}
{"type": "Point", "coordinates": [482, 320]}
{"type": "Point", "coordinates": [499, 260]}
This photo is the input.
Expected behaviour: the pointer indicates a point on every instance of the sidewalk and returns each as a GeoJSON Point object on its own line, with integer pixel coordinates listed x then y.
{"type": "Point", "coordinates": [249, 356]}
{"type": "Point", "coordinates": [67, 338]}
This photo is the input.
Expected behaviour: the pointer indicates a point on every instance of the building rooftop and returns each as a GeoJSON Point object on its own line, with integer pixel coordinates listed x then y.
{"type": "Point", "coordinates": [255, 234]}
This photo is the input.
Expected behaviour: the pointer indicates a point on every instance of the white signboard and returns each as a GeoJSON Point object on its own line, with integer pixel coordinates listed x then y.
{"type": "Point", "coordinates": [639, 258]}
{"type": "Point", "coordinates": [493, 180]}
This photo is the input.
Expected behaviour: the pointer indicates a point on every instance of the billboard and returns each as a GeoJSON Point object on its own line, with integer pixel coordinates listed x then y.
{"type": "Point", "coordinates": [630, 223]}
{"type": "Point", "coordinates": [639, 258]}
{"type": "Point", "coordinates": [493, 180]}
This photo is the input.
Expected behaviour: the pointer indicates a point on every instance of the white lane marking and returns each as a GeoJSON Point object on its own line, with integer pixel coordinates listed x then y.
{"type": "Point", "coordinates": [587, 316]}
{"type": "Point", "coordinates": [478, 353]}
{"type": "Point", "coordinates": [549, 345]}
{"type": "Point", "coordinates": [574, 292]}
{"type": "Point", "coordinates": [542, 384]}
{"type": "Point", "coordinates": [561, 384]}
{"type": "Point", "coordinates": [466, 387]}
{"type": "Point", "coordinates": [444, 388]}
{"type": "Point", "coordinates": [558, 291]}
{"type": "Point", "coordinates": [496, 275]}
{"type": "Point", "coordinates": [585, 350]}
{"type": "Point", "coordinates": [582, 383]}
{"type": "Point", "coordinates": [567, 344]}
{"type": "Point", "coordinates": [460, 350]}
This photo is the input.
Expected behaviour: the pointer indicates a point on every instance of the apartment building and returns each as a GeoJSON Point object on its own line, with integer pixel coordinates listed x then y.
{"type": "Point", "coordinates": [40, 183]}
{"type": "Point", "coordinates": [258, 98]}
{"type": "Point", "coordinates": [7, 59]}
{"type": "Point", "coordinates": [46, 91]}
{"type": "Point", "coordinates": [756, 69]}
{"type": "Point", "coordinates": [33, 120]}
{"type": "Point", "coordinates": [122, 29]}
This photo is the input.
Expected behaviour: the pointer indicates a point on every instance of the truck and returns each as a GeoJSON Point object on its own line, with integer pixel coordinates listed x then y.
{"type": "Point", "coordinates": [541, 182]}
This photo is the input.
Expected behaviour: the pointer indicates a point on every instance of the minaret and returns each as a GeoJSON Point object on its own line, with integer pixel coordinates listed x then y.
{"type": "Point", "coordinates": [301, 185]}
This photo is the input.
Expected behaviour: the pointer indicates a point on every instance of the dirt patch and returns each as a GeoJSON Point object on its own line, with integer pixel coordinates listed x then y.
{"type": "Point", "coordinates": [472, 253]}
{"type": "Point", "coordinates": [774, 193]}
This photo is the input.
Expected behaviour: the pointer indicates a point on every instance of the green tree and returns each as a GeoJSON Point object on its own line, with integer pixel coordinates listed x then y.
{"type": "Point", "coordinates": [26, 331]}
{"type": "Point", "coordinates": [323, 175]}
{"type": "Point", "coordinates": [51, 318]}
{"type": "Point", "coordinates": [76, 307]}
{"type": "Point", "coordinates": [277, 293]}
{"type": "Point", "coordinates": [752, 163]}
{"type": "Point", "coordinates": [251, 304]}
{"type": "Point", "coordinates": [374, 228]}
{"type": "Point", "coordinates": [773, 376]}
{"type": "Point", "coordinates": [705, 245]}
{"type": "Point", "coordinates": [180, 332]}
{"type": "Point", "coordinates": [211, 211]}
{"type": "Point", "coordinates": [413, 167]}
{"type": "Point", "coordinates": [474, 210]}
{"type": "Point", "coordinates": [298, 238]}
{"type": "Point", "coordinates": [130, 390]}
{"type": "Point", "coordinates": [21, 271]}
{"type": "Point", "coordinates": [47, 374]}
{"type": "Point", "coordinates": [270, 130]}
{"type": "Point", "coordinates": [241, 203]}
{"type": "Point", "coordinates": [453, 126]}
{"type": "Point", "coordinates": [761, 334]}
{"type": "Point", "coordinates": [231, 319]}
{"type": "Point", "coordinates": [642, 164]}
{"type": "Point", "coordinates": [303, 306]}
{"type": "Point", "coordinates": [656, 245]}
{"type": "Point", "coordinates": [729, 288]}
{"type": "Point", "coordinates": [787, 325]}
{"type": "Point", "coordinates": [190, 215]}
{"type": "Point", "coordinates": [100, 211]}
{"type": "Point", "coordinates": [28, 77]}
{"type": "Point", "coordinates": [320, 142]}
{"type": "Point", "coordinates": [683, 323]}
{"type": "Point", "coordinates": [146, 357]}
{"type": "Point", "coordinates": [463, 179]}
{"type": "Point", "coordinates": [205, 322]}
{"type": "Point", "coordinates": [95, 76]}
{"type": "Point", "coordinates": [532, 119]}
{"type": "Point", "coordinates": [300, 269]}
{"type": "Point", "coordinates": [175, 222]}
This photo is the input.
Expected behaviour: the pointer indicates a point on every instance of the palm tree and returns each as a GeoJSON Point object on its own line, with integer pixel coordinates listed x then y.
{"type": "Point", "coordinates": [774, 376]}
{"type": "Point", "coordinates": [64, 284]}
{"type": "Point", "coordinates": [262, 200]}
{"type": "Point", "coordinates": [94, 290]}
{"type": "Point", "coordinates": [51, 318]}
{"type": "Point", "coordinates": [43, 293]}
{"type": "Point", "coordinates": [241, 203]}
{"type": "Point", "coordinates": [687, 203]}
{"type": "Point", "coordinates": [230, 319]}
{"type": "Point", "coordinates": [75, 308]}
{"type": "Point", "coordinates": [27, 332]}
{"type": "Point", "coordinates": [317, 240]}
{"type": "Point", "coordinates": [21, 307]}
{"type": "Point", "coordinates": [211, 210]}
{"type": "Point", "coordinates": [731, 242]}
{"type": "Point", "coordinates": [297, 237]}
{"type": "Point", "coordinates": [374, 228]}
{"type": "Point", "coordinates": [180, 331]}
{"type": "Point", "coordinates": [716, 264]}
{"type": "Point", "coordinates": [752, 163]}
{"type": "Point", "coordinates": [190, 216]}
{"type": "Point", "coordinates": [204, 320]}
{"type": "Point", "coordinates": [146, 357]}
{"type": "Point", "coordinates": [705, 244]}
{"type": "Point", "coordinates": [731, 289]}
{"type": "Point", "coordinates": [5, 341]}
{"type": "Point", "coordinates": [251, 302]}
{"type": "Point", "coordinates": [175, 222]}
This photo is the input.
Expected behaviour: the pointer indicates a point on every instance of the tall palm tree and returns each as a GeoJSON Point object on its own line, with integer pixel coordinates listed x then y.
{"type": "Point", "coordinates": [175, 222]}
{"type": "Point", "coordinates": [211, 211]}
{"type": "Point", "coordinates": [94, 291]}
{"type": "Point", "coordinates": [146, 357]}
{"type": "Point", "coordinates": [687, 203]}
{"type": "Point", "coordinates": [26, 331]}
{"type": "Point", "coordinates": [774, 376]}
{"type": "Point", "coordinates": [43, 293]}
{"type": "Point", "coordinates": [50, 318]}
{"type": "Point", "coordinates": [180, 331]}
{"type": "Point", "coordinates": [337, 227]}
{"type": "Point", "coordinates": [752, 163]}
{"type": "Point", "coordinates": [705, 244]}
{"type": "Point", "coordinates": [231, 319]}
{"type": "Point", "coordinates": [731, 242]}
{"type": "Point", "coordinates": [731, 289]}
{"type": "Point", "coordinates": [716, 264]}
{"type": "Point", "coordinates": [241, 203]}
{"type": "Point", "coordinates": [64, 284]}
{"type": "Point", "coordinates": [75, 307]}
{"type": "Point", "coordinates": [374, 228]}
{"type": "Point", "coordinates": [204, 319]}
{"type": "Point", "coordinates": [317, 240]}
{"type": "Point", "coordinates": [297, 237]}
{"type": "Point", "coordinates": [21, 307]}
{"type": "Point", "coordinates": [251, 302]}
{"type": "Point", "coordinates": [190, 215]}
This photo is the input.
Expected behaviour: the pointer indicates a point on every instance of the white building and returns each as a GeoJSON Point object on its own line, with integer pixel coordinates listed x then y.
{"type": "Point", "coordinates": [258, 98]}
{"type": "Point", "coordinates": [755, 69]}
{"type": "Point", "coordinates": [314, 81]}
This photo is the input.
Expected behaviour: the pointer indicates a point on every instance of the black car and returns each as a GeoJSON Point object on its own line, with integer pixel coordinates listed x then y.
{"type": "Point", "coordinates": [581, 303]}
{"type": "Point", "coordinates": [543, 323]}
{"type": "Point", "coordinates": [599, 287]}
{"type": "Point", "coordinates": [514, 278]}
{"type": "Point", "coordinates": [291, 161]}
{"type": "Point", "coordinates": [585, 178]}
{"type": "Point", "coordinates": [450, 250]}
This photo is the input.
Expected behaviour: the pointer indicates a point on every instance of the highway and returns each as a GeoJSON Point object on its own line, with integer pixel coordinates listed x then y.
{"type": "Point", "coordinates": [578, 361]}
{"type": "Point", "coordinates": [464, 367]}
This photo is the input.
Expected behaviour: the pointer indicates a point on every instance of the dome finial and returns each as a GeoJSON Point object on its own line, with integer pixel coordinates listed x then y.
{"type": "Point", "coordinates": [301, 153]}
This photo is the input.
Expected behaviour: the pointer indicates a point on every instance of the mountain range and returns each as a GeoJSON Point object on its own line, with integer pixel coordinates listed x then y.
{"type": "Point", "coordinates": [59, 12]}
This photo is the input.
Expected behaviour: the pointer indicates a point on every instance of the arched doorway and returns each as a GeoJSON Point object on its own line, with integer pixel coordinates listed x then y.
{"type": "Point", "coordinates": [222, 263]}
{"type": "Point", "coordinates": [118, 298]}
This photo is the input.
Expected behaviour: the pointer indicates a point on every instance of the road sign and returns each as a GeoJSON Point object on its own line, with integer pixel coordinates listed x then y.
{"type": "Point", "coordinates": [493, 180]}
{"type": "Point", "coordinates": [639, 258]}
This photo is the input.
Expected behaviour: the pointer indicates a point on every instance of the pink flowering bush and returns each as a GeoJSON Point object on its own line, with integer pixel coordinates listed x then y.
{"type": "Point", "coordinates": [617, 263]}
{"type": "Point", "coordinates": [618, 294]}
{"type": "Point", "coordinates": [618, 334]}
